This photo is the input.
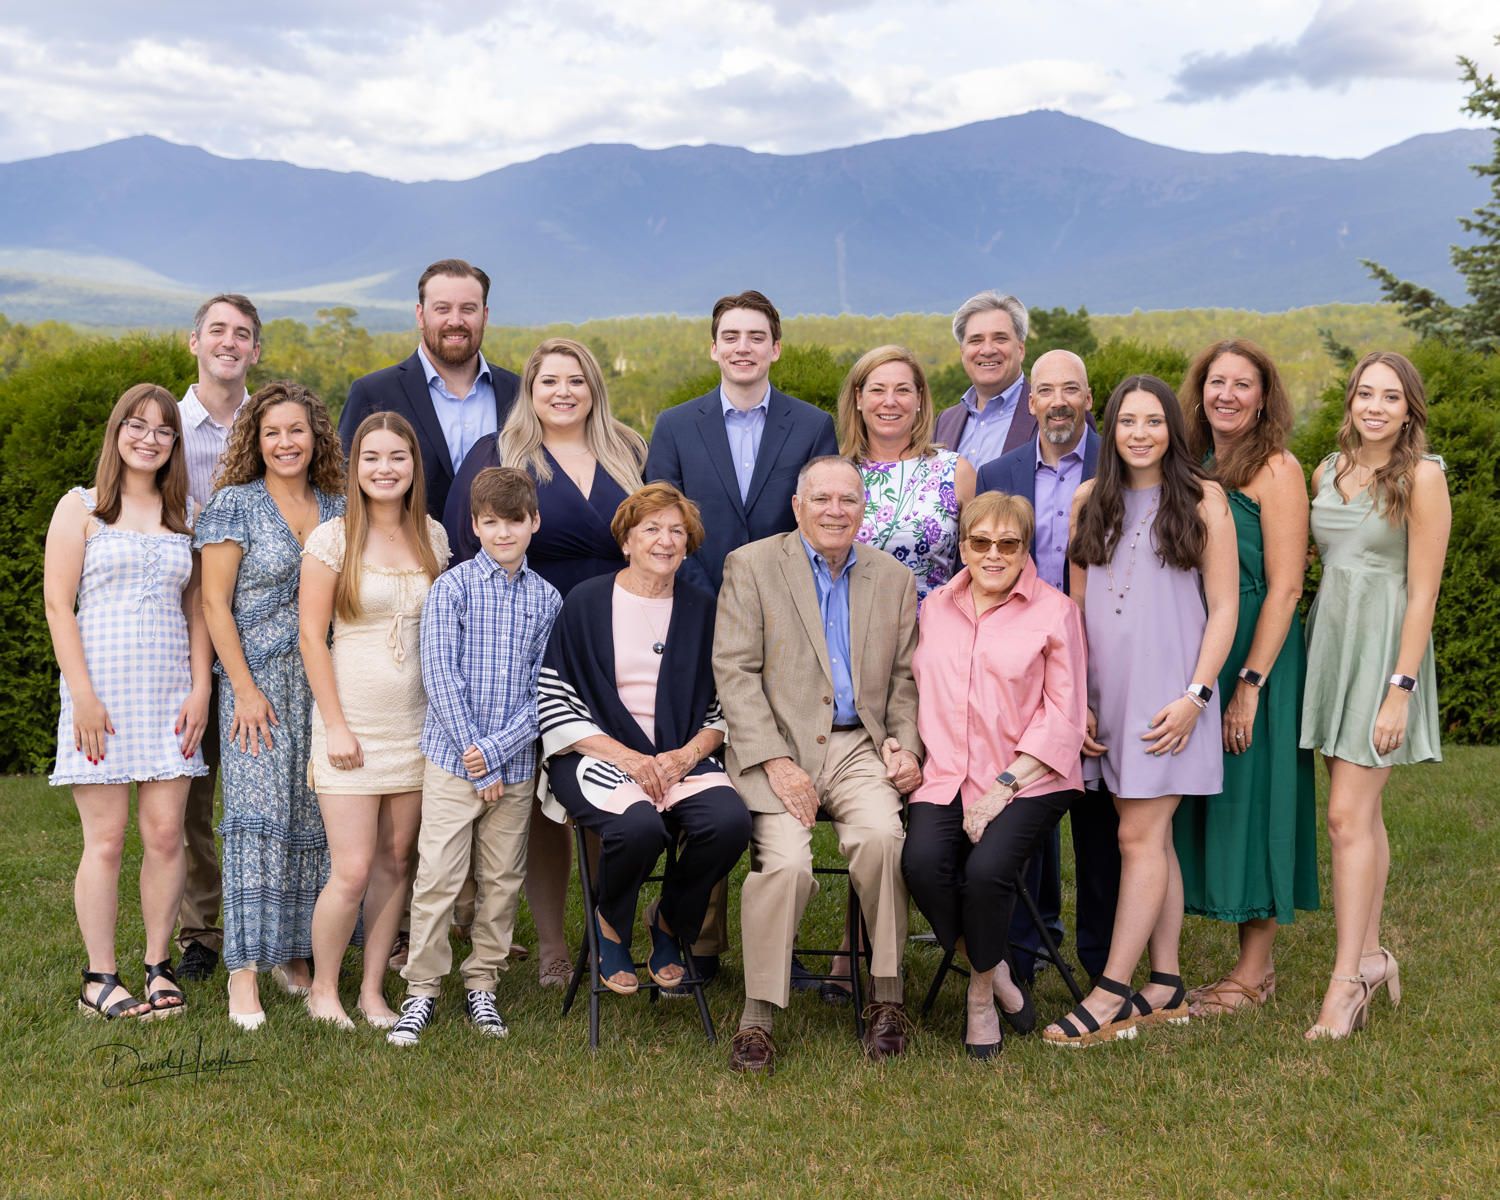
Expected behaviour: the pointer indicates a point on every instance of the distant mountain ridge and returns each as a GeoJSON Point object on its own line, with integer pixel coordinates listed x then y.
{"type": "Point", "coordinates": [1058, 209]}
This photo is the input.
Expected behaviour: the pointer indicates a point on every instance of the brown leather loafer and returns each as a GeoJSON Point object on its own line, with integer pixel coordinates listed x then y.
{"type": "Point", "coordinates": [752, 1050]}
{"type": "Point", "coordinates": [886, 1026]}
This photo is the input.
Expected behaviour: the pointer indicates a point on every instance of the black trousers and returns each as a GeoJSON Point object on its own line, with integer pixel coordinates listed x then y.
{"type": "Point", "coordinates": [712, 829]}
{"type": "Point", "coordinates": [967, 889]}
{"type": "Point", "coordinates": [1096, 863]}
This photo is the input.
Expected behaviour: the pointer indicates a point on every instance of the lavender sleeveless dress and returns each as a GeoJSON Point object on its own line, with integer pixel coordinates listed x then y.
{"type": "Point", "coordinates": [1143, 647]}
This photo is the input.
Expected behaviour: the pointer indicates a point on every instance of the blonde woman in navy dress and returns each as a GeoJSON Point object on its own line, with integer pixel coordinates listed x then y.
{"type": "Point", "coordinates": [1381, 518]}
{"type": "Point", "coordinates": [121, 590]}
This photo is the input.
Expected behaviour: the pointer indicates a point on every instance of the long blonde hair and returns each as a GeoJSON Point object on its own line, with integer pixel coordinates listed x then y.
{"type": "Point", "coordinates": [854, 435]}
{"type": "Point", "coordinates": [357, 515]}
{"type": "Point", "coordinates": [1390, 486]}
{"type": "Point", "coordinates": [619, 449]}
{"type": "Point", "coordinates": [171, 476]}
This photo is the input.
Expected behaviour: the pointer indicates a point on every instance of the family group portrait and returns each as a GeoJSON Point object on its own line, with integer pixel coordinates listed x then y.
{"type": "Point", "coordinates": [745, 601]}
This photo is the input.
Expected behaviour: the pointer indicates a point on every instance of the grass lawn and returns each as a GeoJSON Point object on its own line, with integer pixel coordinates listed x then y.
{"type": "Point", "coordinates": [1240, 1107]}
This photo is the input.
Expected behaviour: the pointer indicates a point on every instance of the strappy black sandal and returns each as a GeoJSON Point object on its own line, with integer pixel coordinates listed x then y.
{"type": "Point", "coordinates": [1079, 1028]}
{"type": "Point", "coordinates": [1174, 1012]}
{"type": "Point", "coordinates": [167, 1001]}
{"type": "Point", "coordinates": [110, 984]}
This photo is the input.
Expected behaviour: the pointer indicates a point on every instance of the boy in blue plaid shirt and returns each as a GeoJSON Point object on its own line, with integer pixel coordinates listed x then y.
{"type": "Point", "coordinates": [484, 627]}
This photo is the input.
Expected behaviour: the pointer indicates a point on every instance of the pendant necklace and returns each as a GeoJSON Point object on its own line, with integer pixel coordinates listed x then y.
{"type": "Point", "coordinates": [659, 646]}
{"type": "Point", "coordinates": [1109, 567]}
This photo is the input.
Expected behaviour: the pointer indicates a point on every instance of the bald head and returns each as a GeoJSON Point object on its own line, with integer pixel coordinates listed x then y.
{"type": "Point", "coordinates": [1060, 399]}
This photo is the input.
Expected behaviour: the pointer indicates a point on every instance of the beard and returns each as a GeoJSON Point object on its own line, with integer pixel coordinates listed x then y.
{"type": "Point", "coordinates": [1060, 437]}
{"type": "Point", "coordinates": [450, 355]}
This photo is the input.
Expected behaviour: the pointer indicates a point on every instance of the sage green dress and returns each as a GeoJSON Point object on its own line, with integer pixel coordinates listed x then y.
{"type": "Point", "coordinates": [1252, 851]}
{"type": "Point", "coordinates": [1354, 634]}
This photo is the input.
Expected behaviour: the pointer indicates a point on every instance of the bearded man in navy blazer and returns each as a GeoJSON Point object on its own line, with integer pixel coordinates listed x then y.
{"type": "Point", "coordinates": [736, 451]}
{"type": "Point", "coordinates": [451, 396]}
{"type": "Point", "coordinates": [1047, 469]}
{"type": "Point", "coordinates": [993, 417]}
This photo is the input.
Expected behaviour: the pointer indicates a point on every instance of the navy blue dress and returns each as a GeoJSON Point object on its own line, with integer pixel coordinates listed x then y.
{"type": "Point", "coordinates": [574, 542]}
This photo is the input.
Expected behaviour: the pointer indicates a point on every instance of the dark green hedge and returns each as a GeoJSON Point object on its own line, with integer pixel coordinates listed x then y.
{"type": "Point", "coordinates": [52, 417]}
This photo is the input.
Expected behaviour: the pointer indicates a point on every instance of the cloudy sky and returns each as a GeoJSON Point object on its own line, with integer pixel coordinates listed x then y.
{"type": "Point", "coordinates": [422, 89]}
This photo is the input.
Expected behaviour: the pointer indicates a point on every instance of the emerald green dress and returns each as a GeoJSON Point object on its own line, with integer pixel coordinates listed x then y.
{"type": "Point", "coordinates": [1252, 851]}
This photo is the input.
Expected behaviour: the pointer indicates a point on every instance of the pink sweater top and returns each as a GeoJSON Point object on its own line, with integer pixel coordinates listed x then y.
{"type": "Point", "coordinates": [1009, 682]}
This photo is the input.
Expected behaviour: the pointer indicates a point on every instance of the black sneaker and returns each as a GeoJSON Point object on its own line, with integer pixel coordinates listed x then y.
{"type": "Point", "coordinates": [483, 1014]}
{"type": "Point", "coordinates": [416, 1015]}
{"type": "Point", "coordinates": [198, 962]}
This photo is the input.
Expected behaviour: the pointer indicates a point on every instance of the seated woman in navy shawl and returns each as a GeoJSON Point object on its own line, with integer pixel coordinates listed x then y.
{"type": "Point", "coordinates": [630, 722]}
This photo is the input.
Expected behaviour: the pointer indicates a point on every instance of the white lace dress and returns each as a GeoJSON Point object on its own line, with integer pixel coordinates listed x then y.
{"type": "Point", "coordinates": [377, 666]}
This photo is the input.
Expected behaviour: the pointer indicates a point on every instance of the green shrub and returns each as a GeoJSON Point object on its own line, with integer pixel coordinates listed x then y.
{"type": "Point", "coordinates": [1120, 358]}
{"type": "Point", "coordinates": [52, 417]}
{"type": "Point", "coordinates": [1464, 427]}
{"type": "Point", "coordinates": [811, 373]}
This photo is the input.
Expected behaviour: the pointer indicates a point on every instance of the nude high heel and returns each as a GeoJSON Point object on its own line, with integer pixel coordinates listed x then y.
{"type": "Point", "coordinates": [1359, 1017]}
{"type": "Point", "coordinates": [1390, 979]}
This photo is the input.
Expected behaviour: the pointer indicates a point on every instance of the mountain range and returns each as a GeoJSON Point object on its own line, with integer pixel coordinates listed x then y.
{"type": "Point", "coordinates": [1059, 210]}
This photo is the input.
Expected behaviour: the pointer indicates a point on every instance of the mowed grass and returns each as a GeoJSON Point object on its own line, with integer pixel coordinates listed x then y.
{"type": "Point", "coordinates": [1238, 1107]}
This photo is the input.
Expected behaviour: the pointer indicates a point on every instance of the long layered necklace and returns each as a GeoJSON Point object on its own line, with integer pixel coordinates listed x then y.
{"type": "Point", "coordinates": [1109, 567]}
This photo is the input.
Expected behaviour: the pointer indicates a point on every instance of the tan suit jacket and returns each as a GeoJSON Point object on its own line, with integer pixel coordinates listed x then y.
{"type": "Point", "coordinates": [771, 659]}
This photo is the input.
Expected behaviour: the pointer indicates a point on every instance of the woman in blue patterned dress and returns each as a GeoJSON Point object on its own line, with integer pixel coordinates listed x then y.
{"type": "Point", "coordinates": [121, 590]}
{"type": "Point", "coordinates": [282, 476]}
{"type": "Point", "coordinates": [913, 489]}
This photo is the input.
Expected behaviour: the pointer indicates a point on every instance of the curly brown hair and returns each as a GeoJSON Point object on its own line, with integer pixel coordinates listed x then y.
{"type": "Point", "coordinates": [1263, 441]}
{"type": "Point", "coordinates": [243, 463]}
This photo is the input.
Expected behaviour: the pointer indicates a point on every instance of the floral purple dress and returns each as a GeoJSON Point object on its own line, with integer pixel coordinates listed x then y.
{"type": "Point", "coordinates": [911, 512]}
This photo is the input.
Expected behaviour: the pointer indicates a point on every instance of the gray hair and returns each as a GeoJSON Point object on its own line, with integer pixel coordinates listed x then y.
{"type": "Point", "coordinates": [991, 301]}
{"type": "Point", "coordinates": [823, 460]}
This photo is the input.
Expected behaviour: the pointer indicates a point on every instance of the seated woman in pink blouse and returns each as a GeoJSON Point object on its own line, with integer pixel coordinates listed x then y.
{"type": "Point", "coordinates": [1003, 706]}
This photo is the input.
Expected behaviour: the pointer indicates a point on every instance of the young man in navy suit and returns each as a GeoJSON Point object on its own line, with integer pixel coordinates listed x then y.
{"type": "Point", "coordinates": [735, 452]}
{"type": "Point", "coordinates": [451, 396]}
{"type": "Point", "coordinates": [1047, 470]}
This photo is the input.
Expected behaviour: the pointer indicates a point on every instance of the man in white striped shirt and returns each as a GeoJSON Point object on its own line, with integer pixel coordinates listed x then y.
{"type": "Point", "coordinates": [226, 342]}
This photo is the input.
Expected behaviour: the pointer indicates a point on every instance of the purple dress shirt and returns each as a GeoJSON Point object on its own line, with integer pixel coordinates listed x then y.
{"type": "Point", "coordinates": [1054, 498]}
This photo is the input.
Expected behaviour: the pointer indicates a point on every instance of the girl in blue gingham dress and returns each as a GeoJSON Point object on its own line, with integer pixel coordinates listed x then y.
{"type": "Point", "coordinates": [127, 628]}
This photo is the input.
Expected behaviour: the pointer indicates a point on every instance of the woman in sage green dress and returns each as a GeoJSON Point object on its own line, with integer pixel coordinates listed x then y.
{"type": "Point", "coordinates": [1249, 854]}
{"type": "Point", "coordinates": [1381, 518]}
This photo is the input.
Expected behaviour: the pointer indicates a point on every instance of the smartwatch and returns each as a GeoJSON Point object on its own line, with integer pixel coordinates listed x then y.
{"type": "Point", "coordinates": [1405, 682]}
{"type": "Point", "coordinates": [1006, 779]}
{"type": "Point", "coordinates": [1254, 678]}
{"type": "Point", "coordinates": [1201, 693]}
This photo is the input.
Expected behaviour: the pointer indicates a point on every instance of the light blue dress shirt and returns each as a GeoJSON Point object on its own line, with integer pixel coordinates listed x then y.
{"type": "Point", "coordinates": [983, 438]}
{"type": "Point", "coordinates": [833, 606]}
{"type": "Point", "coordinates": [1054, 498]}
{"type": "Point", "coordinates": [744, 430]}
{"type": "Point", "coordinates": [464, 419]}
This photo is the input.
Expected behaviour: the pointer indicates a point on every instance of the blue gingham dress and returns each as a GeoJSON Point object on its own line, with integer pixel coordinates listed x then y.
{"type": "Point", "coordinates": [135, 642]}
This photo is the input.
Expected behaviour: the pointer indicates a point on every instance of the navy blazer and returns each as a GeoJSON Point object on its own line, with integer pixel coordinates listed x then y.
{"type": "Point", "coordinates": [951, 422]}
{"type": "Point", "coordinates": [1015, 472]}
{"type": "Point", "coordinates": [690, 450]}
{"type": "Point", "coordinates": [403, 389]}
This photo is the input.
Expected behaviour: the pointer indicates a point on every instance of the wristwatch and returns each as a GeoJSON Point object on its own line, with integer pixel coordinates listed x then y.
{"type": "Point", "coordinates": [1006, 779]}
{"type": "Point", "coordinates": [1254, 678]}
{"type": "Point", "coordinates": [1201, 693]}
{"type": "Point", "coordinates": [1405, 682]}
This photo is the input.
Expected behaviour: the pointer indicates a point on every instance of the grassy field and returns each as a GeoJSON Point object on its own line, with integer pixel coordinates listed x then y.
{"type": "Point", "coordinates": [1242, 1107]}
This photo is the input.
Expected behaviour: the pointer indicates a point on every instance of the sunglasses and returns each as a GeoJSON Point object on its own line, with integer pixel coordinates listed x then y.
{"type": "Point", "coordinates": [1008, 546]}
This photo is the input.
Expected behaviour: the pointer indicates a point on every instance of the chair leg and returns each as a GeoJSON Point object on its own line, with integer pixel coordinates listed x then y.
{"type": "Point", "coordinates": [1050, 949]}
{"type": "Point", "coordinates": [854, 924]}
{"type": "Point", "coordinates": [937, 983]}
{"type": "Point", "coordinates": [580, 968]}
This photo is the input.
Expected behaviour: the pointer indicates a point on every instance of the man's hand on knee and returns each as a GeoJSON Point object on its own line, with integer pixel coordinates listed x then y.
{"type": "Point", "coordinates": [794, 788]}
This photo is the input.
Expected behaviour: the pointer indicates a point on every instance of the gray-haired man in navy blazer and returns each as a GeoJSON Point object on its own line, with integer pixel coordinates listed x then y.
{"type": "Point", "coordinates": [735, 452]}
{"type": "Point", "coordinates": [1047, 470]}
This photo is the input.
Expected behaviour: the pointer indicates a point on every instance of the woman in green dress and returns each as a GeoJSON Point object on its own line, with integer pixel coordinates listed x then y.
{"type": "Point", "coordinates": [1381, 518]}
{"type": "Point", "coordinates": [1249, 854]}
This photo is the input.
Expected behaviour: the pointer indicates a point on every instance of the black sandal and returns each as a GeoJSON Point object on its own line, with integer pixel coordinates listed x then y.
{"type": "Point", "coordinates": [167, 1001]}
{"type": "Point", "coordinates": [1092, 1033]}
{"type": "Point", "coordinates": [1173, 1012]}
{"type": "Point", "coordinates": [111, 983]}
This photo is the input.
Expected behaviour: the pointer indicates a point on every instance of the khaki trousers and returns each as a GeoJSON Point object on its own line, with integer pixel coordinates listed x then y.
{"type": "Point", "coordinates": [866, 811]}
{"type": "Point", "coordinates": [203, 889]}
{"type": "Point", "coordinates": [455, 825]}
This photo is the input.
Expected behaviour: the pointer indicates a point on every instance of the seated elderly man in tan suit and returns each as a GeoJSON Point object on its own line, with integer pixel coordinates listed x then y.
{"type": "Point", "coordinates": [812, 655]}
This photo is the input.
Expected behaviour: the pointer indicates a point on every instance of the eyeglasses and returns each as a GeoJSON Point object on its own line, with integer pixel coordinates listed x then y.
{"type": "Point", "coordinates": [137, 430]}
{"type": "Point", "coordinates": [1008, 546]}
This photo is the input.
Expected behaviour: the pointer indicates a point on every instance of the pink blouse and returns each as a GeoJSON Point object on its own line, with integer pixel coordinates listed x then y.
{"type": "Point", "coordinates": [1010, 682]}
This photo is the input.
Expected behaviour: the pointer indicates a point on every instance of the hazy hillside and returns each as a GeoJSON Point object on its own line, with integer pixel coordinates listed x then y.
{"type": "Point", "coordinates": [1060, 210]}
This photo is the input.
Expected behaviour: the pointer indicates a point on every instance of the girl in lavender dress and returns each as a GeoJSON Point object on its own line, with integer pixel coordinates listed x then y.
{"type": "Point", "coordinates": [121, 589]}
{"type": "Point", "coordinates": [1156, 572]}
{"type": "Point", "coordinates": [913, 489]}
